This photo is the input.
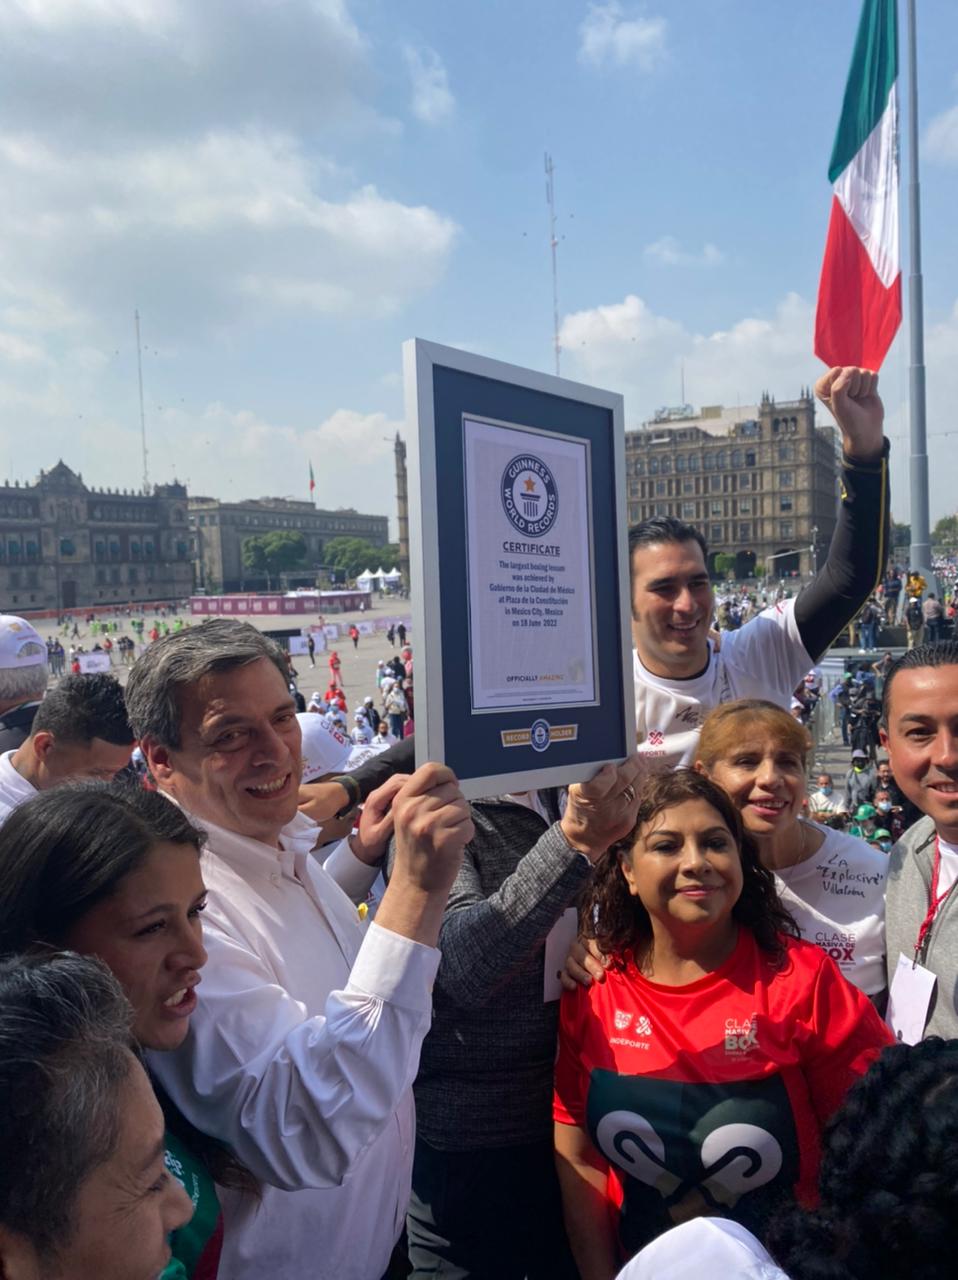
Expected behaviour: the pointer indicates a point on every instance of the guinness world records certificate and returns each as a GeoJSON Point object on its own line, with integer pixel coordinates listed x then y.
{"type": "Point", "coordinates": [531, 619]}
{"type": "Point", "coordinates": [518, 556]}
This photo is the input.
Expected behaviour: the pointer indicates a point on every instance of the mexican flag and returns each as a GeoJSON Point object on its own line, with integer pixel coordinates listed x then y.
{"type": "Point", "coordinates": [312, 480]}
{"type": "Point", "coordinates": [859, 295]}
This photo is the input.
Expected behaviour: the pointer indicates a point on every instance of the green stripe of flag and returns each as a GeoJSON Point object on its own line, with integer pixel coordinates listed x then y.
{"type": "Point", "coordinates": [873, 71]}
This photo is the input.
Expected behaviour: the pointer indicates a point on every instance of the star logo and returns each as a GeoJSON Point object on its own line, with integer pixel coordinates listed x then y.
{"type": "Point", "coordinates": [530, 485]}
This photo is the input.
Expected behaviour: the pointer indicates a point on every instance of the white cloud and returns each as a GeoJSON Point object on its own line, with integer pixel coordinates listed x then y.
{"type": "Point", "coordinates": [432, 99]}
{"type": "Point", "coordinates": [627, 347]}
{"type": "Point", "coordinates": [669, 253]}
{"type": "Point", "coordinates": [609, 35]}
{"type": "Point", "coordinates": [941, 137]}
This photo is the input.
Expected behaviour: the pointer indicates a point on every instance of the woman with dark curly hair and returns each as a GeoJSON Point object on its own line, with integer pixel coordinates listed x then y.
{"type": "Point", "coordinates": [696, 1079]}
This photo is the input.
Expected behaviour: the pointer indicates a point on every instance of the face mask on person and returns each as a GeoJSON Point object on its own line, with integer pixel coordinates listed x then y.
{"type": "Point", "coordinates": [885, 846]}
{"type": "Point", "coordinates": [884, 806]}
{"type": "Point", "coordinates": [826, 791]}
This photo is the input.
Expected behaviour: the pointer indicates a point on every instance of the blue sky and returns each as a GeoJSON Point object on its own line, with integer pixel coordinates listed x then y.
{"type": "Point", "coordinates": [287, 189]}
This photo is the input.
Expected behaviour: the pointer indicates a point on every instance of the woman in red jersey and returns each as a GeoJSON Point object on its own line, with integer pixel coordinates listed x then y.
{"type": "Point", "coordinates": [697, 1077]}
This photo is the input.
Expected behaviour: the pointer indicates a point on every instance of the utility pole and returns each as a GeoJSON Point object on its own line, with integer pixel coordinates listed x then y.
{"type": "Point", "coordinates": [920, 551]}
{"type": "Point", "coordinates": [554, 245]}
{"type": "Point", "coordinates": [139, 370]}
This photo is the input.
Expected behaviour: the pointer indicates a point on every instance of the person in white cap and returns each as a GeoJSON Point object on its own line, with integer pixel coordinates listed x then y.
{"type": "Point", "coordinates": [360, 732]}
{"type": "Point", "coordinates": [23, 679]}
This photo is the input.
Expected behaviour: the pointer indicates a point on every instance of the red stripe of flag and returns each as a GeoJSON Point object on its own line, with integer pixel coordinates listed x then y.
{"type": "Point", "coordinates": [857, 317]}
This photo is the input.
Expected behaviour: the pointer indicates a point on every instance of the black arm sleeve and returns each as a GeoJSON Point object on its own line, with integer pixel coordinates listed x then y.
{"type": "Point", "coordinates": [856, 557]}
{"type": "Point", "coordinates": [399, 758]}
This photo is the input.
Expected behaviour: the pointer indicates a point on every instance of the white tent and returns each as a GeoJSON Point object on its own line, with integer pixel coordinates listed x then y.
{"type": "Point", "coordinates": [394, 576]}
{"type": "Point", "coordinates": [380, 573]}
{"type": "Point", "coordinates": [366, 576]}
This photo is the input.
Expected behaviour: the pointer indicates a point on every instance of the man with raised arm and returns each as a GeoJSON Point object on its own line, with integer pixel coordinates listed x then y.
{"type": "Point", "coordinates": [305, 1039]}
{"type": "Point", "coordinates": [679, 674]}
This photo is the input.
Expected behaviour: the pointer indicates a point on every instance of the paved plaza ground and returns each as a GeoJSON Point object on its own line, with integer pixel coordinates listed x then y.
{"type": "Point", "coordinates": [358, 665]}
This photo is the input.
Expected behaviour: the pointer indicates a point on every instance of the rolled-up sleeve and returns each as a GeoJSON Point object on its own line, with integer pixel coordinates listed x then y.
{"type": "Point", "coordinates": [300, 1098]}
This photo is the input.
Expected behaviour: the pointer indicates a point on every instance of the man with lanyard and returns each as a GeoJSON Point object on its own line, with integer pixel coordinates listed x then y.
{"type": "Point", "coordinates": [920, 733]}
{"type": "Point", "coordinates": [679, 677]}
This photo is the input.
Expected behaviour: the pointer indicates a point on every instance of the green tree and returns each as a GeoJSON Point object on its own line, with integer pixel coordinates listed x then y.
{"type": "Point", "coordinates": [900, 534]}
{"type": "Point", "coordinates": [724, 564]}
{"type": "Point", "coordinates": [274, 553]}
{"type": "Point", "coordinates": [356, 554]}
{"type": "Point", "coordinates": [945, 532]}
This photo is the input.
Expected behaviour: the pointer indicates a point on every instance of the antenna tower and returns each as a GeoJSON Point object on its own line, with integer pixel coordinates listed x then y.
{"type": "Point", "coordinates": [139, 370]}
{"type": "Point", "coordinates": [554, 245]}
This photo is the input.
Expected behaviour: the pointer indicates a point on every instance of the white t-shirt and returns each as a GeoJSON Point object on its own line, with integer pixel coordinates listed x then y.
{"type": "Point", "coordinates": [763, 659]}
{"type": "Point", "coordinates": [948, 871]}
{"type": "Point", "coordinates": [14, 788]}
{"type": "Point", "coordinates": [818, 802]}
{"type": "Point", "coordinates": [837, 898]}
{"type": "Point", "coordinates": [703, 1247]}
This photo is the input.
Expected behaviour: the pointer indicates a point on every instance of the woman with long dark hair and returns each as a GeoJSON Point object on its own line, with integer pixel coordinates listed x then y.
{"type": "Point", "coordinates": [114, 872]}
{"type": "Point", "coordinates": [696, 1079]}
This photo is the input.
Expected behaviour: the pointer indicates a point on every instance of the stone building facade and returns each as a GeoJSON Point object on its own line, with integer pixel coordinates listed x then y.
{"type": "Point", "coordinates": [759, 481]}
{"type": "Point", "coordinates": [63, 545]}
{"type": "Point", "coordinates": [219, 530]}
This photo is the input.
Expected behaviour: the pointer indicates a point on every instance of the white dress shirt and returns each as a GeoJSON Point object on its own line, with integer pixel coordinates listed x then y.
{"type": "Point", "coordinates": [14, 788]}
{"type": "Point", "coordinates": [301, 1056]}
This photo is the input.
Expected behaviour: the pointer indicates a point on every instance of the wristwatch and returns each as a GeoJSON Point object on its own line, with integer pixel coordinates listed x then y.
{"type": "Point", "coordinates": [351, 787]}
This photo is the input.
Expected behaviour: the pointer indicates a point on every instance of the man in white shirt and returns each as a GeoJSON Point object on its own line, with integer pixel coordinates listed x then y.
{"type": "Point", "coordinates": [306, 1037]}
{"type": "Point", "coordinates": [679, 676]}
{"type": "Point", "coordinates": [824, 802]}
{"type": "Point", "coordinates": [80, 730]}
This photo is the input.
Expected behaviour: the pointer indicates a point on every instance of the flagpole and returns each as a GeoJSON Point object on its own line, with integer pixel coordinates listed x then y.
{"type": "Point", "coordinates": [920, 551]}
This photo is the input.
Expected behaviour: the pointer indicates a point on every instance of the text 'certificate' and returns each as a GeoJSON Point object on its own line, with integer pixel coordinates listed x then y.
{"type": "Point", "coordinates": [529, 547]}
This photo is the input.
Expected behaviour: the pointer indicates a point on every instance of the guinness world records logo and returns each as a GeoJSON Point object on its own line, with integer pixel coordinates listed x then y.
{"type": "Point", "coordinates": [530, 497]}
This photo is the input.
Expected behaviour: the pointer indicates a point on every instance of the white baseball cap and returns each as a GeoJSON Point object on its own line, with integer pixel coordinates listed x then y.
{"type": "Point", "coordinates": [20, 644]}
{"type": "Point", "coordinates": [325, 749]}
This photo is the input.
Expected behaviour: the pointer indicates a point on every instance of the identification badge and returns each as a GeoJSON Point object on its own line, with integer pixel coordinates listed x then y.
{"type": "Point", "coordinates": [558, 944]}
{"type": "Point", "coordinates": [912, 986]}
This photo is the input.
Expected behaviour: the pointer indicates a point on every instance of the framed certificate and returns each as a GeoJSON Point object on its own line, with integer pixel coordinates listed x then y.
{"type": "Point", "coordinates": [519, 566]}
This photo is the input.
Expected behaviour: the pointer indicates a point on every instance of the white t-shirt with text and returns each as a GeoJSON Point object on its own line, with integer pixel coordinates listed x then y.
{"type": "Point", "coordinates": [837, 899]}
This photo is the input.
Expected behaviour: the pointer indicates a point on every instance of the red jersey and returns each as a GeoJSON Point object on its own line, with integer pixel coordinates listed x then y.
{"type": "Point", "coordinates": [711, 1097]}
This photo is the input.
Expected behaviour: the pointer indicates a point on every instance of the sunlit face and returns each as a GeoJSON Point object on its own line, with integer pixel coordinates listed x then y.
{"type": "Point", "coordinates": [148, 932]}
{"type": "Point", "coordinates": [239, 762]}
{"type": "Point", "coordinates": [672, 606]}
{"type": "Point", "coordinates": [764, 778]}
{"type": "Point", "coordinates": [921, 739]}
{"type": "Point", "coordinates": [685, 867]}
{"type": "Point", "coordinates": [125, 1208]}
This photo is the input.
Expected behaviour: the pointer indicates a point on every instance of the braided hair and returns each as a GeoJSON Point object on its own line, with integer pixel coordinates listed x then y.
{"type": "Point", "coordinates": [888, 1179]}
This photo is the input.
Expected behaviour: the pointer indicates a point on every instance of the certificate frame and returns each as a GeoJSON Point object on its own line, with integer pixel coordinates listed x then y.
{"type": "Point", "coordinates": [494, 750]}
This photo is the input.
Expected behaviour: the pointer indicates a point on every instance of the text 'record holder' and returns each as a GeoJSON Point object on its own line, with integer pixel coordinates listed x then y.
{"type": "Point", "coordinates": [519, 572]}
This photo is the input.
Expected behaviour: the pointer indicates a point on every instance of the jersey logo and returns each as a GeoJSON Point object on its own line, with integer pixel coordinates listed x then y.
{"type": "Point", "coordinates": [622, 1020]}
{"type": "Point", "coordinates": [655, 738]}
{"type": "Point", "coordinates": [642, 1026]}
{"type": "Point", "coordinates": [740, 1037]}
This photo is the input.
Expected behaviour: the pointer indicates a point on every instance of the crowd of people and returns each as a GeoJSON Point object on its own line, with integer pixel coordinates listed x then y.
{"type": "Point", "coordinates": [273, 999]}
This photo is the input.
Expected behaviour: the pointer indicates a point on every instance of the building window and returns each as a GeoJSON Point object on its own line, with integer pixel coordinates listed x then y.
{"type": "Point", "coordinates": [202, 522]}
{"type": "Point", "coordinates": [750, 458]}
{"type": "Point", "coordinates": [653, 471]}
{"type": "Point", "coordinates": [666, 465]}
{"type": "Point", "coordinates": [688, 486]}
{"type": "Point", "coordinates": [709, 461]}
{"type": "Point", "coordinates": [784, 503]}
{"type": "Point", "coordinates": [717, 509]}
{"type": "Point", "coordinates": [688, 510]}
{"type": "Point", "coordinates": [721, 460]}
{"type": "Point", "coordinates": [785, 528]}
{"type": "Point", "coordinates": [716, 484]}
{"type": "Point", "coordinates": [134, 575]}
{"type": "Point", "coordinates": [744, 531]}
{"type": "Point", "coordinates": [786, 479]}
{"type": "Point", "coordinates": [660, 488]}
{"type": "Point", "coordinates": [66, 547]}
{"type": "Point", "coordinates": [661, 509]}
{"type": "Point", "coordinates": [694, 462]}
{"type": "Point", "coordinates": [786, 452]}
{"type": "Point", "coordinates": [745, 506]}
{"type": "Point", "coordinates": [681, 462]}
{"type": "Point", "coordinates": [738, 458]}
{"type": "Point", "coordinates": [716, 535]}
